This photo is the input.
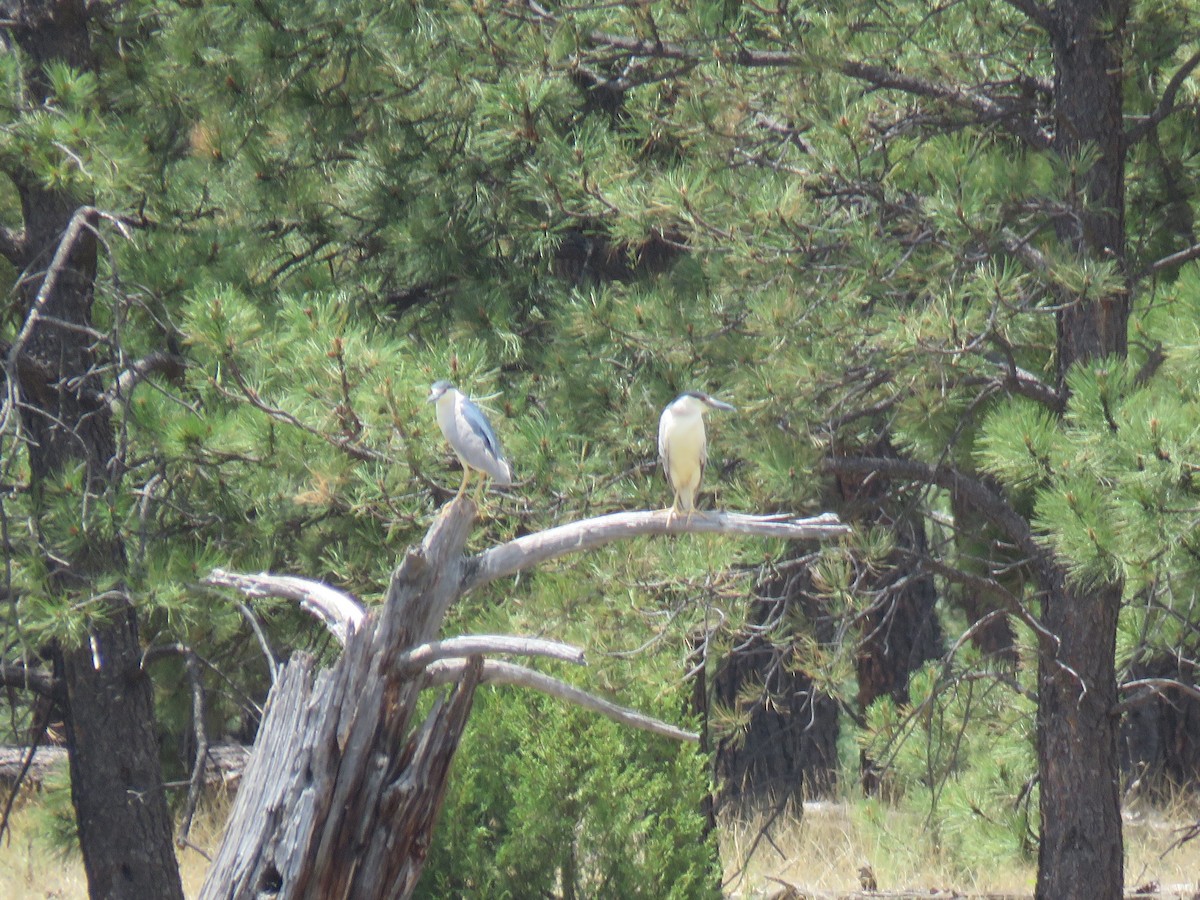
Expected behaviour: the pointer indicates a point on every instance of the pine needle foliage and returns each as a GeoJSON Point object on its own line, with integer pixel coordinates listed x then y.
{"type": "Point", "coordinates": [576, 212]}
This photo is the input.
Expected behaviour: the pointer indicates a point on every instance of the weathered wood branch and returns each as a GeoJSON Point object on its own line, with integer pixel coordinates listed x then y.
{"type": "Point", "coordinates": [588, 534]}
{"type": "Point", "coordinates": [497, 672]}
{"type": "Point", "coordinates": [342, 792]}
{"type": "Point", "coordinates": [15, 763]}
{"type": "Point", "coordinates": [340, 612]}
{"type": "Point", "coordinates": [422, 656]}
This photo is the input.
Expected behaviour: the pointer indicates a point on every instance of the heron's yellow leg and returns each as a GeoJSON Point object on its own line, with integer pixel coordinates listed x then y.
{"type": "Point", "coordinates": [480, 489]}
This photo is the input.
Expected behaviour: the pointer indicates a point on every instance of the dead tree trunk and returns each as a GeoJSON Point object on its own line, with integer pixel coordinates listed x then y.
{"type": "Point", "coordinates": [342, 793]}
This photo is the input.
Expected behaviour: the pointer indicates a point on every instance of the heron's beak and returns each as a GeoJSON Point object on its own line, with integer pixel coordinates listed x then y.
{"type": "Point", "coordinates": [719, 404]}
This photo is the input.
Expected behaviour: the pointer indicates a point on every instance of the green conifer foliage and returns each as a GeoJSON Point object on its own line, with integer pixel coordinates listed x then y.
{"type": "Point", "coordinates": [846, 220]}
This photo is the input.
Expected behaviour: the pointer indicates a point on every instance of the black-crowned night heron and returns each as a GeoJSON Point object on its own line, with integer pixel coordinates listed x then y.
{"type": "Point", "coordinates": [683, 445]}
{"type": "Point", "coordinates": [470, 435]}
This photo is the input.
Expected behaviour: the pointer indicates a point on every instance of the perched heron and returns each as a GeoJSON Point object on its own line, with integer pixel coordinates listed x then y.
{"type": "Point", "coordinates": [470, 435]}
{"type": "Point", "coordinates": [683, 446]}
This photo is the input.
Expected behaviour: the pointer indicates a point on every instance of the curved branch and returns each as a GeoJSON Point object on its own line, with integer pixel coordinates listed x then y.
{"type": "Point", "coordinates": [1166, 104]}
{"type": "Point", "coordinates": [953, 94]}
{"type": "Point", "coordinates": [157, 362]}
{"type": "Point", "coordinates": [986, 500]}
{"type": "Point", "coordinates": [424, 655]}
{"type": "Point", "coordinates": [340, 613]}
{"type": "Point", "coordinates": [878, 76]}
{"type": "Point", "coordinates": [495, 672]}
{"type": "Point", "coordinates": [588, 534]}
{"type": "Point", "coordinates": [1154, 687]}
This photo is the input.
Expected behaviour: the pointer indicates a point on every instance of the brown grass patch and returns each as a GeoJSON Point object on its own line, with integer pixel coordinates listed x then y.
{"type": "Point", "coordinates": [823, 851]}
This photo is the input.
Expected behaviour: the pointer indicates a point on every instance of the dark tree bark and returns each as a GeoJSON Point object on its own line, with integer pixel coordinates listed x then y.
{"type": "Point", "coordinates": [1080, 853]}
{"type": "Point", "coordinates": [1160, 732]}
{"type": "Point", "coordinates": [788, 750]}
{"type": "Point", "coordinates": [116, 780]}
{"type": "Point", "coordinates": [900, 631]}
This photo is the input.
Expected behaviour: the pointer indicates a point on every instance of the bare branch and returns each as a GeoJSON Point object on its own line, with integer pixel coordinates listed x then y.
{"type": "Point", "coordinates": [588, 534]}
{"type": "Point", "coordinates": [953, 94]}
{"type": "Point", "coordinates": [1166, 104]}
{"type": "Point", "coordinates": [261, 636]}
{"type": "Point", "coordinates": [1170, 261]}
{"type": "Point", "coordinates": [1154, 687]}
{"type": "Point", "coordinates": [1037, 13]}
{"type": "Point", "coordinates": [495, 672]}
{"type": "Point", "coordinates": [987, 501]}
{"type": "Point", "coordinates": [651, 49]}
{"type": "Point", "coordinates": [340, 613]}
{"type": "Point", "coordinates": [12, 246]}
{"type": "Point", "coordinates": [423, 655]}
{"type": "Point", "coordinates": [199, 714]}
{"type": "Point", "coordinates": [956, 95]}
{"type": "Point", "coordinates": [344, 443]}
{"type": "Point", "coordinates": [158, 362]}
{"type": "Point", "coordinates": [39, 681]}
{"type": "Point", "coordinates": [1024, 383]}
{"type": "Point", "coordinates": [66, 244]}
{"type": "Point", "coordinates": [1010, 602]}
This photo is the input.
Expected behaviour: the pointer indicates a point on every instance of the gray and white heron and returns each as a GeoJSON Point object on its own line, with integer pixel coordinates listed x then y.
{"type": "Point", "coordinates": [470, 435]}
{"type": "Point", "coordinates": [683, 445]}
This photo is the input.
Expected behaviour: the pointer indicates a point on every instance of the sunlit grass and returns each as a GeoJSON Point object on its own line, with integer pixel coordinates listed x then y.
{"type": "Point", "coordinates": [819, 852]}
{"type": "Point", "coordinates": [34, 867]}
{"type": "Point", "coordinates": [824, 850]}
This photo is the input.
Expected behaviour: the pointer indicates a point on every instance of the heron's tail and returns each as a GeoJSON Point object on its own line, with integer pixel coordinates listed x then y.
{"type": "Point", "coordinates": [502, 473]}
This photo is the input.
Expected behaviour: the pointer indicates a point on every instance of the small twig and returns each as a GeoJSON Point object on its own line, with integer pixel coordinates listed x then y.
{"type": "Point", "coordinates": [192, 667]}
{"type": "Point", "coordinates": [347, 445]}
{"type": "Point", "coordinates": [41, 722]}
{"type": "Point", "coordinates": [256, 627]}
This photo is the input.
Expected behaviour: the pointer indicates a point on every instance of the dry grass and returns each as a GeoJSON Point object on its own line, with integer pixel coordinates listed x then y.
{"type": "Point", "coordinates": [32, 869]}
{"type": "Point", "coordinates": [820, 852]}
{"type": "Point", "coordinates": [823, 851]}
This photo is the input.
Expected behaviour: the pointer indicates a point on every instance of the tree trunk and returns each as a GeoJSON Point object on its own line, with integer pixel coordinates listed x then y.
{"type": "Point", "coordinates": [1080, 851]}
{"type": "Point", "coordinates": [1080, 854]}
{"type": "Point", "coordinates": [339, 799]}
{"type": "Point", "coordinates": [116, 779]}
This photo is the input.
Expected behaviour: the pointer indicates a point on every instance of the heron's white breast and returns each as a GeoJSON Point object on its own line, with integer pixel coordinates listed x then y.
{"type": "Point", "coordinates": [685, 446]}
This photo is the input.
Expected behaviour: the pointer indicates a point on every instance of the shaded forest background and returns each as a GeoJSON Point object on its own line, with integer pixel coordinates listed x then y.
{"type": "Point", "coordinates": [939, 257]}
